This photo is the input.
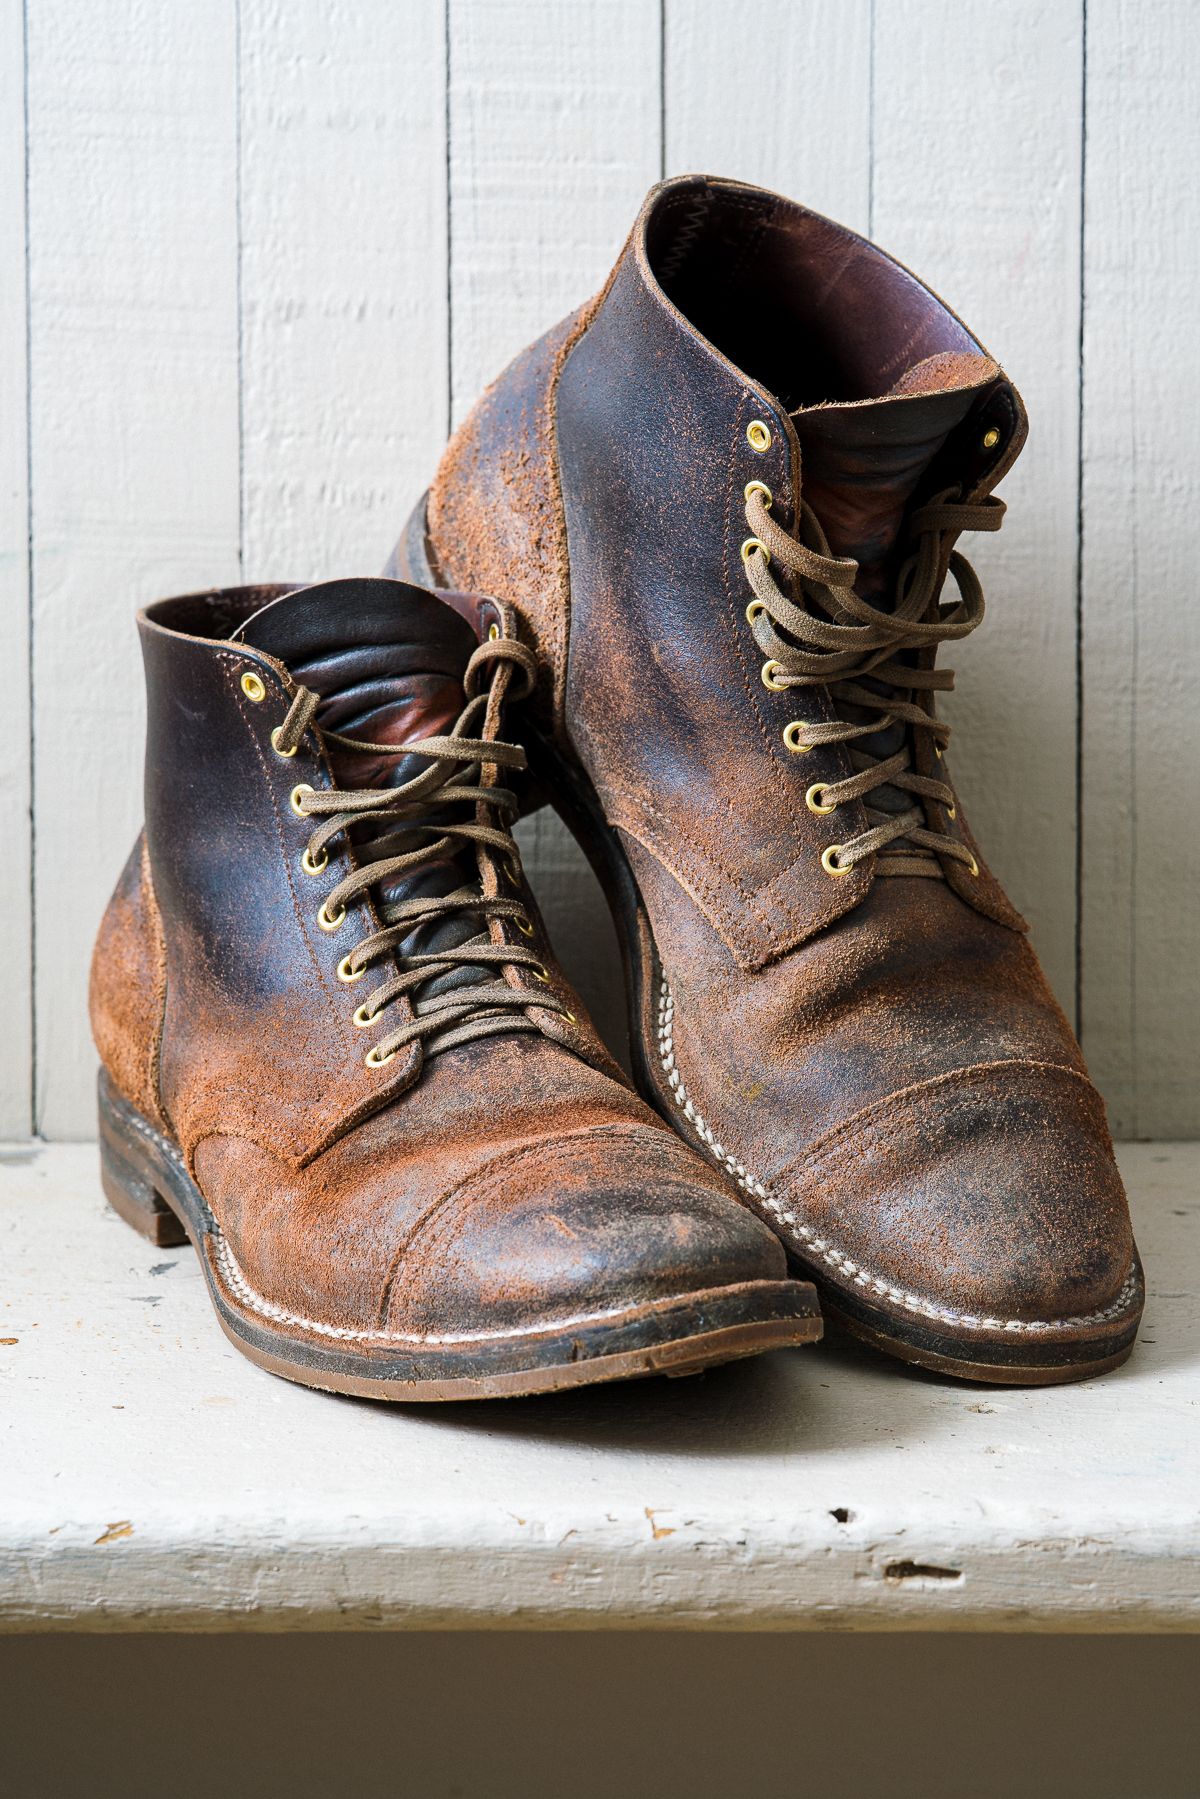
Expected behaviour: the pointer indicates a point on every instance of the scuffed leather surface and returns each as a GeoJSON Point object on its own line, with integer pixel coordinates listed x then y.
{"type": "Point", "coordinates": [661, 659]}
{"type": "Point", "coordinates": [495, 512]}
{"type": "Point", "coordinates": [506, 1179]}
{"type": "Point", "coordinates": [975, 1180]}
{"type": "Point", "coordinates": [128, 986]}
{"type": "Point", "coordinates": [512, 1181]}
{"type": "Point", "coordinates": [884, 1052]}
{"type": "Point", "coordinates": [252, 993]}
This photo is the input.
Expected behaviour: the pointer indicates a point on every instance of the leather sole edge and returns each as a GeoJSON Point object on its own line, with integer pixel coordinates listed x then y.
{"type": "Point", "coordinates": [972, 1360]}
{"type": "Point", "coordinates": [145, 1181]}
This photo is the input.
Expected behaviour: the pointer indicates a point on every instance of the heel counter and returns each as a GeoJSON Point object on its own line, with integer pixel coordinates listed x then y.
{"type": "Point", "coordinates": [128, 987]}
{"type": "Point", "coordinates": [496, 522]}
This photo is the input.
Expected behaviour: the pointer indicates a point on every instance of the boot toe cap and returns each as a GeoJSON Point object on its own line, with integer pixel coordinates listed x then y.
{"type": "Point", "coordinates": [598, 1221]}
{"type": "Point", "coordinates": [984, 1206]}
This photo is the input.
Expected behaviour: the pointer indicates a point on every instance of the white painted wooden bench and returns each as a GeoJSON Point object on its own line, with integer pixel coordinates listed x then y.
{"type": "Point", "coordinates": [150, 1478]}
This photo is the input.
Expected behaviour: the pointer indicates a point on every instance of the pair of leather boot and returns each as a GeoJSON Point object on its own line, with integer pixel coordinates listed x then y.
{"type": "Point", "coordinates": [714, 514]}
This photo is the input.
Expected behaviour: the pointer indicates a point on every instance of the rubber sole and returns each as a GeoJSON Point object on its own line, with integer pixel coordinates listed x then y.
{"type": "Point", "coordinates": [145, 1181]}
{"type": "Point", "coordinates": [1009, 1360]}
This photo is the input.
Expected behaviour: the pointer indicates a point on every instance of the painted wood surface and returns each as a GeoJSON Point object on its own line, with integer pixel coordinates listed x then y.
{"type": "Point", "coordinates": [274, 249]}
{"type": "Point", "coordinates": [776, 94]}
{"type": "Point", "coordinates": [134, 414]}
{"type": "Point", "coordinates": [815, 1489]}
{"type": "Point", "coordinates": [344, 322]}
{"type": "Point", "coordinates": [990, 155]}
{"type": "Point", "coordinates": [1140, 621]}
{"type": "Point", "coordinates": [16, 965]}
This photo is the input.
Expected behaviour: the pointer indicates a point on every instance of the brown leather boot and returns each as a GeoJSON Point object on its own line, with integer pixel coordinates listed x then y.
{"type": "Point", "coordinates": [831, 994]}
{"type": "Point", "coordinates": [336, 1050]}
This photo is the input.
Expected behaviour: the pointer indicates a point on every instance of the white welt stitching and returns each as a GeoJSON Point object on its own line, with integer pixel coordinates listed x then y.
{"type": "Point", "coordinates": [821, 1249]}
{"type": "Point", "coordinates": [258, 1302]}
{"type": "Point", "coordinates": [231, 1272]}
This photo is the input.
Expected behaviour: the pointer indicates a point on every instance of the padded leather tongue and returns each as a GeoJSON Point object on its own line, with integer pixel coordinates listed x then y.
{"type": "Point", "coordinates": [386, 658]}
{"type": "Point", "coordinates": [863, 460]}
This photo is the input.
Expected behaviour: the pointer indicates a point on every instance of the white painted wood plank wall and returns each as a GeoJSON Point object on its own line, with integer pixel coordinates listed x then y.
{"type": "Point", "coordinates": [273, 249]}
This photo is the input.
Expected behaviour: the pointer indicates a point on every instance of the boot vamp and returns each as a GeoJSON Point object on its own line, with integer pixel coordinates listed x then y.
{"type": "Point", "coordinates": [906, 1087]}
{"type": "Point", "coordinates": [512, 1187]}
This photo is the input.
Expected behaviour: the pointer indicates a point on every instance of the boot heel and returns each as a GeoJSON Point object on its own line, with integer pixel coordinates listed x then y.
{"type": "Point", "coordinates": [130, 1192]}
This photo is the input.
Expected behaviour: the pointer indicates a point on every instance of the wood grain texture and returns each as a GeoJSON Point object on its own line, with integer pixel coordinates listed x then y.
{"type": "Point", "coordinates": [344, 317]}
{"type": "Point", "coordinates": [16, 983]}
{"type": "Point", "coordinates": [977, 187]}
{"type": "Point", "coordinates": [133, 353]}
{"type": "Point", "coordinates": [420, 190]}
{"type": "Point", "coordinates": [1141, 624]}
{"type": "Point", "coordinates": [813, 1490]}
{"type": "Point", "coordinates": [775, 94]}
{"type": "Point", "coordinates": [554, 140]}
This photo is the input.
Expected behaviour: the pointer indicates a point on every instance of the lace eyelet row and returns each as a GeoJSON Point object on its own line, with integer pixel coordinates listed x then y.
{"type": "Point", "coordinates": [759, 437]}
{"type": "Point", "coordinates": [329, 922]}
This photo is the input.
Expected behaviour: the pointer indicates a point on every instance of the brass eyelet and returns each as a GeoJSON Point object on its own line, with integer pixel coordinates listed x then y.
{"type": "Point", "coordinates": [753, 487]}
{"type": "Point", "coordinates": [769, 679]}
{"type": "Point", "coordinates": [253, 688]}
{"type": "Point", "coordinates": [363, 1016]}
{"type": "Point", "coordinates": [513, 870]}
{"type": "Point", "coordinates": [758, 436]}
{"type": "Point", "coordinates": [570, 1018]}
{"type": "Point", "coordinates": [755, 543]}
{"type": "Point", "coordinates": [373, 1059]}
{"type": "Point", "coordinates": [791, 737]}
{"type": "Point", "coordinates": [951, 811]}
{"type": "Point", "coordinates": [348, 975]}
{"type": "Point", "coordinates": [938, 751]}
{"type": "Point", "coordinates": [525, 928]}
{"type": "Point", "coordinates": [830, 866]}
{"type": "Point", "coordinates": [539, 974]}
{"type": "Point", "coordinates": [753, 610]}
{"type": "Point", "coordinates": [972, 866]}
{"type": "Point", "coordinates": [275, 744]}
{"type": "Point", "coordinates": [311, 867]}
{"type": "Point", "coordinates": [811, 801]}
{"type": "Point", "coordinates": [991, 438]}
{"type": "Point", "coordinates": [493, 633]}
{"type": "Point", "coordinates": [330, 921]}
{"type": "Point", "coordinates": [302, 787]}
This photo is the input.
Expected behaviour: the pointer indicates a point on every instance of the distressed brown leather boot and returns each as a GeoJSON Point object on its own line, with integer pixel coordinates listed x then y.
{"type": "Point", "coordinates": [338, 1054]}
{"type": "Point", "coordinates": [725, 496]}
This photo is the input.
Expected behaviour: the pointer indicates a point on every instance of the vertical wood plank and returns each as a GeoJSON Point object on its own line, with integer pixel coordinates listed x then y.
{"type": "Point", "coordinates": [554, 138]}
{"type": "Point", "coordinates": [776, 94]}
{"type": "Point", "coordinates": [134, 436]}
{"type": "Point", "coordinates": [15, 832]}
{"type": "Point", "coordinates": [977, 187]}
{"type": "Point", "coordinates": [555, 114]}
{"type": "Point", "coordinates": [1141, 621]}
{"type": "Point", "coordinates": [343, 214]}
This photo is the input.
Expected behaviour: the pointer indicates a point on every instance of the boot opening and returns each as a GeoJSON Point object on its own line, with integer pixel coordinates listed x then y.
{"type": "Point", "coordinates": [803, 306]}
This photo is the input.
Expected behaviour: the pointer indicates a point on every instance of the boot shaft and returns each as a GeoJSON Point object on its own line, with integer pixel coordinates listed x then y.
{"type": "Point", "coordinates": [601, 484]}
{"type": "Point", "coordinates": [224, 980]}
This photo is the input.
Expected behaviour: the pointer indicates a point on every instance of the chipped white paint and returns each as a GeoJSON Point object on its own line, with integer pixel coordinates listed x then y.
{"type": "Point", "coordinates": [294, 195]}
{"type": "Point", "coordinates": [154, 1479]}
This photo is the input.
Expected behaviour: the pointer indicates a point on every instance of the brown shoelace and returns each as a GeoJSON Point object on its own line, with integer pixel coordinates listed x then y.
{"type": "Point", "coordinates": [462, 772]}
{"type": "Point", "coordinates": [840, 641]}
